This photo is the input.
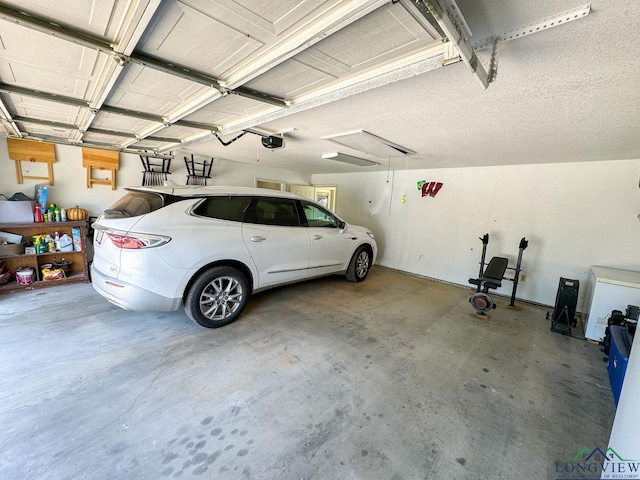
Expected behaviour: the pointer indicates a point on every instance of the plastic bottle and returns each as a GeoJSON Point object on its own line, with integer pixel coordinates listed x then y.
{"type": "Point", "coordinates": [57, 241]}
{"type": "Point", "coordinates": [66, 243]}
{"type": "Point", "coordinates": [38, 214]}
{"type": "Point", "coordinates": [51, 211]}
{"type": "Point", "coordinates": [51, 245]}
{"type": "Point", "coordinates": [63, 215]}
{"type": "Point", "coordinates": [57, 213]}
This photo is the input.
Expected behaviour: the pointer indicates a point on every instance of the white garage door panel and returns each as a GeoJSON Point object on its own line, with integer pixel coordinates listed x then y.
{"type": "Point", "coordinates": [150, 91]}
{"type": "Point", "coordinates": [373, 39]}
{"type": "Point", "coordinates": [150, 145]}
{"type": "Point", "coordinates": [96, 17]}
{"type": "Point", "coordinates": [177, 131]}
{"type": "Point", "coordinates": [37, 78]}
{"type": "Point", "coordinates": [39, 52]}
{"type": "Point", "coordinates": [226, 109]}
{"type": "Point", "coordinates": [142, 79]}
{"type": "Point", "coordinates": [289, 78]}
{"type": "Point", "coordinates": [143, 102]}
{"type": "Point", "coordinates": [101, 138]}
{"type": "Point", "coordinates": [38, 129]}
{"type": "Point", "coordinates": [120, 123]}
{"type": "Point", "coordinates": [36, 108]}
{"type": "Point", "coordinates": [187, 36]}
{"type": "Point", "coordinates": [274, 16]}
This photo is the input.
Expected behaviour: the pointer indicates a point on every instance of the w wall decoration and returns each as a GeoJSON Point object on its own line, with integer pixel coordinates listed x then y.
{"type": "Point", "coordinates": [430, 189]}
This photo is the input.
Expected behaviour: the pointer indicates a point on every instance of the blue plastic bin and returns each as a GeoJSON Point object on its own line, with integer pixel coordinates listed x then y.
{"type": "Point", "coordinates": [618, 359]}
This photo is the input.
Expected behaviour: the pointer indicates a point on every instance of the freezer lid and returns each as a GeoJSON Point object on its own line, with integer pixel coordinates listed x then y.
{"type": "Point", "coordinates": [615, 276]}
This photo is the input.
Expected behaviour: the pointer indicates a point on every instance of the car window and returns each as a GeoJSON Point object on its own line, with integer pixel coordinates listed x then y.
{"type": "Point", "coordinates": [273, 211]}
{"type": "Point", "coordinates": [223, 208]}
{"type": "Point", "coordinates": [318, 217]}
{"type": "Point", "coordinates": [134, 204]}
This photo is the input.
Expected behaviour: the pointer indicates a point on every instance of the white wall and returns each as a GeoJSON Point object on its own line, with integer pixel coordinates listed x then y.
{"type": "Point", "coordinates": [70, 177]}
{"type": "Point", "coordinates": [574, 215]}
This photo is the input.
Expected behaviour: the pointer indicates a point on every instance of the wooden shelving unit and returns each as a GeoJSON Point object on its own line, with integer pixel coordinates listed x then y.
{"type": "Point", "coordinates": [79, 272]}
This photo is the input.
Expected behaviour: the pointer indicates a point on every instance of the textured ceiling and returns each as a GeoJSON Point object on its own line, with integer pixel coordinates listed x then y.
{"type": "Point", "coordinates": [567, 93]}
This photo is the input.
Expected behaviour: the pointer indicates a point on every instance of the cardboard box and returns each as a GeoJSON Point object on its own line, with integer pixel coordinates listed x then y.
{"type": "Point", "coordinates": [16, 211]}
{"type": "Point", "coordinates": [77, 239]}
{"type": "Point", "coordinates": [11, 249]}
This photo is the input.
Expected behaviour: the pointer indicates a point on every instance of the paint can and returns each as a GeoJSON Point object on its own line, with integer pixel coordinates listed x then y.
{"type": "Point", "coordinates": [24, 276]}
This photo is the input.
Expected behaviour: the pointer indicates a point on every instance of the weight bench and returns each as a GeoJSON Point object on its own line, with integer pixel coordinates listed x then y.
{"type": "Point", "coordinates": [492, 276]}
{"type": "Point", "coordinates": [490, 279]}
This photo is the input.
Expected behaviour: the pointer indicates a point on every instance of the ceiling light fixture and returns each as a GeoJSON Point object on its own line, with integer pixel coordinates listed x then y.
{"type": "Point", "coordinates": [342, 157]}
{"type": "Point", "coordinates": [369, 143]}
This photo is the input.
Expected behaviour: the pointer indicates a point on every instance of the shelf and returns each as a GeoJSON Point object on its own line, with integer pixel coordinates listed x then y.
{"type": "Point", "coordinates": [44, 225]}
{"type": "Point", "coordinates": [31, 255]}
{"type": "Point", "coordinates": [73, 278]}
{"type": "Point", "coordinates": [56, 253]}
{"type": "Point", "coordinates": [79, 261]}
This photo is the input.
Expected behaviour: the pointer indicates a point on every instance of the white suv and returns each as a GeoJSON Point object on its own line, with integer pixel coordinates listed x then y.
{"type": "Point", "coordinates": [209, 248]}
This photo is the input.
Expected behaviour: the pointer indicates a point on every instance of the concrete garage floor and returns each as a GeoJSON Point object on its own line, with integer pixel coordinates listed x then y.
{"type": "Point", "coordinates": [394, 378]}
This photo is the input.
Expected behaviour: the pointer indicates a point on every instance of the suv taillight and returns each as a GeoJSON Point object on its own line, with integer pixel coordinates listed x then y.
{"type": "Point", "coordinates": [134, 241]}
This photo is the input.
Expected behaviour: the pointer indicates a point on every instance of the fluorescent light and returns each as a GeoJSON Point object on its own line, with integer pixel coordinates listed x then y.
{"type": "Point", "coordinates": [341, 157]}
{"type": "Point", "coordinates": [369, 143]}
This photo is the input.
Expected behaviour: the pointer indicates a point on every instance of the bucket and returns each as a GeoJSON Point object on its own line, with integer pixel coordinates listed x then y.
{"type": "Point", "coordinates": [24, 276]}
{"type": "Point", "coordinates": [65, 265]}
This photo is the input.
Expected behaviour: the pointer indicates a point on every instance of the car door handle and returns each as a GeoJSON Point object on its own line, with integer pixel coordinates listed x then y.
{"type": "Point", "coordinates": [258, 238]}
{"type": "Point", "coordinates": [317, 237]}
{"type": "Point", "coordinates": [350, 238]}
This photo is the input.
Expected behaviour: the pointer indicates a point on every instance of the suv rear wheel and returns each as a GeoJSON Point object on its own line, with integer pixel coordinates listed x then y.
{"type": "Point", "coordinates": [217, 297]}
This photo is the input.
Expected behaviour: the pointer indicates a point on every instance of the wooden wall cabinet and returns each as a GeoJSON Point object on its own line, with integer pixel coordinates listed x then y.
{"type": "Point", "coordinates": [79, 267]}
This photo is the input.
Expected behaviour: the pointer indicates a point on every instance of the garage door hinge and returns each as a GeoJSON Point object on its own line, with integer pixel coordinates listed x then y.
{"type": "Point", "coordinates": [451, 54]}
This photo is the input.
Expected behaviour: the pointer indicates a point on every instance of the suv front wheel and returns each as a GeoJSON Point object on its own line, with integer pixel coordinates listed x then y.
{"type": "Point", "coordinates": [217, 297]}
{"type": "Point", "coordinates": [359, 265]}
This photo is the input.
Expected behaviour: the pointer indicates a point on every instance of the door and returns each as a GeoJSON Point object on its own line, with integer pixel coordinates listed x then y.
{"type": "Point", "coordinates": [326, 196]}
{"type": "Point", "coordinates": [330, 246]}
{"type": "Point", "coordinates": [277, 242]}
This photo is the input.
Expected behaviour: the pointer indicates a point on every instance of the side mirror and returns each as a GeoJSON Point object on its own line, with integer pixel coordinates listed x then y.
{"type": "Point", "coordinates": [342, 225]}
